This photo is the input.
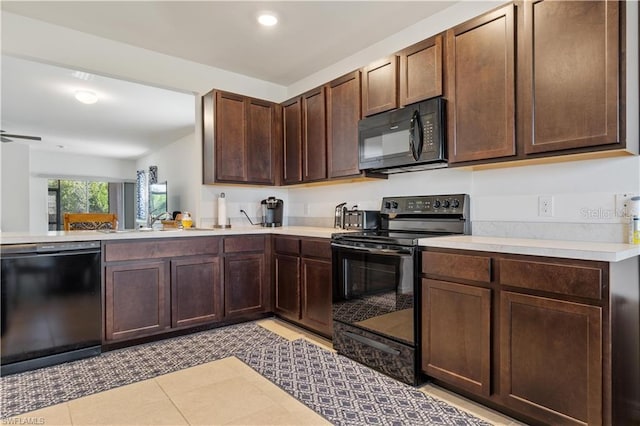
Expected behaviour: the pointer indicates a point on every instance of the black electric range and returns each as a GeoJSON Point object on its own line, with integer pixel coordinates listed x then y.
{"type": "Point", "coordinates": [375, 281]}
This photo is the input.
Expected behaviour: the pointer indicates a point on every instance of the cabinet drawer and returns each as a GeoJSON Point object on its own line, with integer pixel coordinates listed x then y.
{"type": "Point", "coordinates": [572, 280]}
{"type": "Point", "coordinates": [286, 245]}
{"type": "Point", "coordinates": [316, 248]}
{"type": "Point", "coordinates": [244, 243]}
{"type": "Point", "coordinates": [457, 266]}
{"type": "Point", "coordinates": [157, 249]}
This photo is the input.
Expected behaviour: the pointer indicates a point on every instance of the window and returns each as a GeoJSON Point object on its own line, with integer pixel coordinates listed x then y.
{"type": "Point", "coordinates": [71, 196]}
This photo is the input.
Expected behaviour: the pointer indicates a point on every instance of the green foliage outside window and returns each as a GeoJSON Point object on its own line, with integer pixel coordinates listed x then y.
{"type": "Point", "coordinates": [81, 196]}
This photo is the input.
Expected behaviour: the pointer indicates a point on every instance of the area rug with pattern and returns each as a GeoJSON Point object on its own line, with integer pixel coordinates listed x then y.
{"type": "Point", "coordinates": [348, 393]}
{"type": "Point", "coordinates": [28, 391]}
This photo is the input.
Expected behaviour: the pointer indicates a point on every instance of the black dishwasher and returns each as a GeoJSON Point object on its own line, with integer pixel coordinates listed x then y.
{"type": "Point", "coordinates": [51, 304]}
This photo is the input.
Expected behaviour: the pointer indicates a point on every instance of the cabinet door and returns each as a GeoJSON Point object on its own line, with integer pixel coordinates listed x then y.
{"type": "Point", "coordinates": [292, 149]}
{"type": "Point", "coordinates": [230, 144]}
{"type": "Point", "coordinates": [551, 359]}
{"type": "Point", "coordinates": [317, 295]}
{"type": "Point", "coordinates": [570, 72]}
{"type": "Point", "coordinates": [196, 291]}
{"type": "Point", "coordinates": [343, 114]}
{"type": "Point", "coordinates": [481, 87]}
{"type": "Point", "coordinates": [244, 291]}
{"type": "Point", "coordinates": [287, 276]}
{"type": "Point", "coordinates": [314, 135]}
{"type": "Point", "coordinates": [421, 71]}
{"type": "Point", "coordinates": [456, 334]}
{"type": "Point", "coordinates": [137, 299]}
{"type": "Point", "coordinates": [380, 86]}
{"type": "Point", "coordinates": [260, 141]}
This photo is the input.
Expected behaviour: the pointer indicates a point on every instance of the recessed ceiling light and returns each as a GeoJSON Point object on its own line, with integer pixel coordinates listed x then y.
{"type": "Point", "coordinates": [86, 97]}
{"type": "Point", "coordinates": [267, 19]}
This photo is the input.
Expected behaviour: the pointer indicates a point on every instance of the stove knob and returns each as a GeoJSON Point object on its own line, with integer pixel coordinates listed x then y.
{"type": "Point", "coordinates": [436, 204]}
{"type": "Point", "coordinates": [445, 204]}
{"type": "Point", "coordinates": [394, 204]}
{"type": "Point", "coordinates": [387, 205]}
{"type": "Point", "coordinates": [455, 204]}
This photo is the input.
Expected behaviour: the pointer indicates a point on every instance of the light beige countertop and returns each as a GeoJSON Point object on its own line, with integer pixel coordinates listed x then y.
{"type": "Point", "coordinates": [62, 236]}
{"type": "Point", "coordinates": [607, 252]}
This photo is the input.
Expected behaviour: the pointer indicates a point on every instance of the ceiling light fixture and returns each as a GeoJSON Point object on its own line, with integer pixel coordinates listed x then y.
{"type": "Point", "coordinates": [267, 19]}
{"type": "Point", "coordinates": [86, 97]}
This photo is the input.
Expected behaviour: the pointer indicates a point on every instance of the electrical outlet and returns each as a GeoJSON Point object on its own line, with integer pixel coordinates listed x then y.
{"type": "Point", "coordinates": [545, 205]}
{"type": "Point", "coordinates": [623, 202]}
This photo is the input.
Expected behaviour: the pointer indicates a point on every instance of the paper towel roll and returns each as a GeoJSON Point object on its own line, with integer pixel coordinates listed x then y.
{"type": "Point", "coordinates": [222, 210]}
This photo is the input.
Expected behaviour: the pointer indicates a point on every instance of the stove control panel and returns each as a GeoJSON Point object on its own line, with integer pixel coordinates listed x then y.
{"type": "Point", "coordinates": [453, 204]}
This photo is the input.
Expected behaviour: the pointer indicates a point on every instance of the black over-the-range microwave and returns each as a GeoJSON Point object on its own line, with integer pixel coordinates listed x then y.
{"type": "Point", "coordinates": [406, 139]}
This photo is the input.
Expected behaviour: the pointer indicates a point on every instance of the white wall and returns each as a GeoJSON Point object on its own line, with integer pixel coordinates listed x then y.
{"type": "Point", "coordinates": [14, 184]}
{"type": "Point", "coordinates": [178, 164]}
{"type": "Point", "coordinates": [25, 172]}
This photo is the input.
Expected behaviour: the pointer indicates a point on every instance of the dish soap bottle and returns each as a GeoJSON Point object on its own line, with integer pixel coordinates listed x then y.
{"type": "Point", "coordinates": [634, 225]}
{"type": "Point", "coordinates": [187, 221]}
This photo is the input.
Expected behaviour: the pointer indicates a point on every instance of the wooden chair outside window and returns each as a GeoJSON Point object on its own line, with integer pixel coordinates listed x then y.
{"type": "Point", "coordinates": [90, 221]}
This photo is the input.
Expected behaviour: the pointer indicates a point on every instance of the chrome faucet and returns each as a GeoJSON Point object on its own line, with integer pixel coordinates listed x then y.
{"type": "Point", "coordinates": [153, 219]}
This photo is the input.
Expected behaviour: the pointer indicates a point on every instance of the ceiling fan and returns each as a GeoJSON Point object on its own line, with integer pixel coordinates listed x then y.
{"type": "Point", "coordinates": [6, 137]}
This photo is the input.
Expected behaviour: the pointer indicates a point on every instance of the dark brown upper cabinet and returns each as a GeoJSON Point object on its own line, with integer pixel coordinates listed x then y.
{"type": "Point", "coordinates": [314, 135]}
{"type": "Point", "coordinates": [421, 71]}
{"type": "Point", "coordinates": [305, 138]}
{"type": "Point", "coordinates": [292, 141]}
{"type": "Point", "coordinates": [380, 86]}
{"type": "Point", "coordinates": [481, 87]}
{"type": "Point", "coordinates": [569, 68]}
{"type": "Point", "coordinates": [343, 113]}
{"type": "Point", "coordinates": [238, 132]}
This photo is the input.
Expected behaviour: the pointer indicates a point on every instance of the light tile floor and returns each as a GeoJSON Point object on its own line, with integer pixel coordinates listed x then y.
{"type": "Point", "coordinates": [222, 392]}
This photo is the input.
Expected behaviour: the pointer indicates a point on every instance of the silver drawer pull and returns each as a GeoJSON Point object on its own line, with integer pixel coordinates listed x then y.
{"type": "Point", "coordinates": [370, 342]}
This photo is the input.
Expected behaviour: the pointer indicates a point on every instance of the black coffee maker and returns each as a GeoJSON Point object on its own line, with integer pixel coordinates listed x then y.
{"type": "Point", "coordinates": [272, 212]}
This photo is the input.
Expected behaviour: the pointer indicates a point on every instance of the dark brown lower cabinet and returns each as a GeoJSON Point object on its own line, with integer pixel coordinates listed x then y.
{"type": "Point", "coordinates": [196, 291]}
{"type": "Point", "coordinates": [548, 340]}
{"type": "Point", "coordinates": [551, 358]}
{"type": "Point", "coordinates": [456, 330]}
{"type": "Point", "coordinates": [137, 299]}
{"type": "Point", "coordinates": [287, 278]}
{"type": "Point", "coordinates": [243, 284]}
{"type": "Point", "coordinates": [303, 286]}
{"type": "Point", "coordinates": [150, 290]}
{"type": "Point", "coordinates": [316, 295]}
{"type": "Point", "coordinates": [247, 287]}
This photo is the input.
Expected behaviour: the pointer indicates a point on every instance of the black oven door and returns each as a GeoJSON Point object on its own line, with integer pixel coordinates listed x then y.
{"type": "Point", "coordinates": [374, 289]}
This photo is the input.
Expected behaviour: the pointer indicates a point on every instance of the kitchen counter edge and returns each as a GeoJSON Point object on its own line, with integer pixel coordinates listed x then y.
{"type": "Point", "coordinates": [582, 250]}
{"type": "Point", "coordinates": [62, 236]}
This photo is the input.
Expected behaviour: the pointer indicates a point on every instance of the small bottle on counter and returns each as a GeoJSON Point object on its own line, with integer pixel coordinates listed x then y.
{"type": "Point", "coordinates": [634, 224]}
{"type": "Point", "coordinates": [186, 220]}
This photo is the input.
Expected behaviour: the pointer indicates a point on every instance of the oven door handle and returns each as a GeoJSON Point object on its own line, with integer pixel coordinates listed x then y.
{"type": "Point", "coordinates": [384, 252]}
{"type": "Point", "coordinates": [374, 344]}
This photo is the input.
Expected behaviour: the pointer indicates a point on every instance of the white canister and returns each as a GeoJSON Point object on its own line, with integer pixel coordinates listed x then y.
{"type": "Point", "coordinates": [222, 210]}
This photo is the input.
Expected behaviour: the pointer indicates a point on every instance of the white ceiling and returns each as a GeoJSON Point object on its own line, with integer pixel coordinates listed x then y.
{"type": "Point", "coordinates": [131, 119]}
{"type": "Point", "coordinates": [128, 120]}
